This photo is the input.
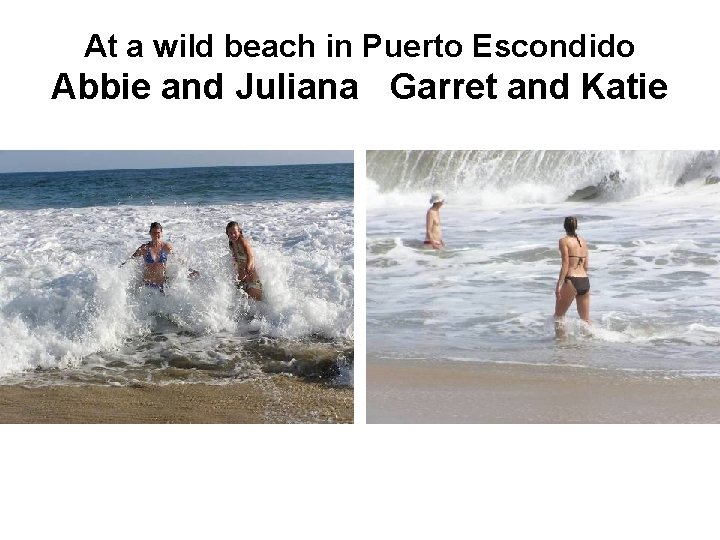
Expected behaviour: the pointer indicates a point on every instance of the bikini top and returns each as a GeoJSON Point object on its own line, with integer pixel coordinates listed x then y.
{"type": "Point", "coordinates": [579, 258]}
{"type": "Point", "coordinates": [238, 252]}
{"type": "Point", "coordinates": [162, 259]}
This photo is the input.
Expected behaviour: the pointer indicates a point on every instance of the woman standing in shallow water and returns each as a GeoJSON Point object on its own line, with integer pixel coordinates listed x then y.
{"type": "Point", "coordinates": [573, 282]}
{"type": "Point", "coordinates": [244, 257]}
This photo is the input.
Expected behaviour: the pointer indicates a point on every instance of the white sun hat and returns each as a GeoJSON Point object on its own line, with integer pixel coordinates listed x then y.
{"type": "Point", "coordinates": [436, 197]}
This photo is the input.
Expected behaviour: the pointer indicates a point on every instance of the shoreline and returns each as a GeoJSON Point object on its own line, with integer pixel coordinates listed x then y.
{"type": "Point", "coordinates": [273, 400]}
{"type": "Point", "coordinates": [446, 391]}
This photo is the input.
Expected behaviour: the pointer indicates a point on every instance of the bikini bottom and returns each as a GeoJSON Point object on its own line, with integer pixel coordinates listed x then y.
{"type": "Point", "coordinates": [257, 284]}
{"type": "Point", "coordinates": [581, 284]}
{"type": "Point", "coordinates": [158, 286]}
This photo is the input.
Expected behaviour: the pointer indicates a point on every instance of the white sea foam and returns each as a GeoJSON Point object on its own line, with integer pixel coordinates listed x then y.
{"type": "Point", "coordinates": [507, 178]}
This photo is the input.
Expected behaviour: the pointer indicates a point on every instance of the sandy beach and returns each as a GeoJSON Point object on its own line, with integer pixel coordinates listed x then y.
{"type": "Point", "coordinates": [277, 399]}
{"type": "Point", "coordinates": [473, 392]}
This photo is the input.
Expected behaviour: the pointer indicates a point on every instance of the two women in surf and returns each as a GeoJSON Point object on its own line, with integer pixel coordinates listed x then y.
{"type": "Point", "coordinates": [156, 253]}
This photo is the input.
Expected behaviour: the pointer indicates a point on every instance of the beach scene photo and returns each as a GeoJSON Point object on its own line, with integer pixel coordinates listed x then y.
{"type": "Point", "coordinates": [543, 286]}
{"type": "Point", "coordinates": [176, 287]}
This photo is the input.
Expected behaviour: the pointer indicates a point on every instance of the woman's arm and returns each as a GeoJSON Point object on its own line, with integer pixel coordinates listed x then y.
{"type": "Point", "coordinates": [139, 252]}
{"type": "Point", "coordinates": [250, 265]}
{"type": "Point", "coordinates": [587, 257]}
{"type": "Point", "coordinates": [236, 263]}
{"type": "Point", "coordinates": [565, 256]}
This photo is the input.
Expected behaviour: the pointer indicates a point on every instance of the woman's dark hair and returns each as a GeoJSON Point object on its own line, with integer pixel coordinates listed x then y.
{"type": "Point", "coordinates": [231, 225]}
{"type": "Point", "coordinates": [570, 225]}
{"type": "Point", "coordinates": [155, 225]}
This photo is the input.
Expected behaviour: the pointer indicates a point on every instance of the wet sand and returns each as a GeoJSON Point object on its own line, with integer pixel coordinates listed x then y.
{"type": "Point", "coordinates": [277, 399]}
{"type": "Point", "coordinates": [474, 392]}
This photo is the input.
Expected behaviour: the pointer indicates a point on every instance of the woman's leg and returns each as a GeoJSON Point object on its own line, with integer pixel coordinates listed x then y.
{"type": "Point", "coordinates": [254, 292]}
{"type": "Point", "coordinates": [583, 306]}
{"type": "Point", "coordinates": [562, 304]}
{"type": "Point", "coordinates": [254, 285]}
{"type": "Point", "coordinates": [251, 283]}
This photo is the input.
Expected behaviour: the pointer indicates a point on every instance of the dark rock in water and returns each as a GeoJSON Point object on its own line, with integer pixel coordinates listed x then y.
{"type": "Point", "coordinates": [701, 165]}
{"type": "Point", "coordinates": [585, 194]}
{"type": "Point", "coordinates": [323, 368]}
{"type": "Point", "coordinates": [307, 365]}
{"type": "Point", "coordinates": [712, 179]}
{"type": "Point", "coordinates": [117, 364]}
{"type": "Point", "coordinates": [606, 186]}
{"type": "Point", "coordinates": [180, 361]}
{"type": "Point", "coordinates": [611, 182]}
{"type": "Point", "coordinates": [271, 351]}
{"type": "Point", "coordinates": [316, 367]}
{"type": "Point", "coordinates": [308, 360]}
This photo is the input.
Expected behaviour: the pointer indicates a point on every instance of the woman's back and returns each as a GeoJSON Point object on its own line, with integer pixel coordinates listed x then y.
{"type": "Point", "coordinates": [577, 254]}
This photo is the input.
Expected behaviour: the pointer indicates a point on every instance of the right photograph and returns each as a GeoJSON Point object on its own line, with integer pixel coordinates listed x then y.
{"type": "Point", "coordinates": [543, 286]}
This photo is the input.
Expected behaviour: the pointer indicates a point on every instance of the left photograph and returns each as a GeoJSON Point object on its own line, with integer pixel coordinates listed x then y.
{"type": "Point", "coordinates": [176, 287]}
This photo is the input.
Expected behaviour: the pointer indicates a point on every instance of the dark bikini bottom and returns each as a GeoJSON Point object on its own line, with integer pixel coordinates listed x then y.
{"type": "Point", "coordinates": [245, 285]}
{"type": "Point", "coordinates": [159, 286]}
{"type": "Point", "coordinates": [581, 284]}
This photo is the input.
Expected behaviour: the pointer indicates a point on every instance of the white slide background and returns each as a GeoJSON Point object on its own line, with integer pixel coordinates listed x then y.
{"type": "Point", "coordinates": [358, 481]}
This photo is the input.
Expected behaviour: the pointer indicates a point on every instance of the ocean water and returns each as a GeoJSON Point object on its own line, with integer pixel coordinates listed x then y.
{"type": "Point", "coordinates": [70, 315]}
{"type": "Point", "coordinates": [653, 229]}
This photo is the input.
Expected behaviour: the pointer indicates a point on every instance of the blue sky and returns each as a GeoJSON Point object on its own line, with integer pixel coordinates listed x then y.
{"type": "Point", "coordinates": [81, 160]}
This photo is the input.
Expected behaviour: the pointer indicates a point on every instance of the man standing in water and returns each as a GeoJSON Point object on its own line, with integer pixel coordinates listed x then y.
{"type": "Point", "coordinates": [433, 230]}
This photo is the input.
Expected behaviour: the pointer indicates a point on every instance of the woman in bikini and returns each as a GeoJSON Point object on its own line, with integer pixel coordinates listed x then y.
{"type": "Point", "coordinates": [246, 275]}
{"type": "Point", "coordinates": [155, 256]}
{"type": "Point", "coordinates": [573, 282]}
